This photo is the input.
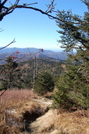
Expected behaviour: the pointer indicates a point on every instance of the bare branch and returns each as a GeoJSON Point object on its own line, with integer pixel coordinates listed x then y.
{"type": "Point", "coordinates": [12, 8]}
{"type": "Point", "coordinates": [10, 2]}
{"type": "Point", "coordinates": [7, 10]}
{"type": "Point", "coordinates": [4, 2]}
{"type": "Point", "coordinates": [30, 4]}
{"type": "Point", "coordinates": [8, 44]}
{"type": "Point", "coordinates": [50, 9]}
{"type": "Point", "coordinates": [17, 1]}
{"type": "Point", "coordinates": [51, 6]}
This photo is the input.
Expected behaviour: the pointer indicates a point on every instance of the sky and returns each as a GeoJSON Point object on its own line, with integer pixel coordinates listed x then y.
{"type": "Point", "coordinates": [33, 29]}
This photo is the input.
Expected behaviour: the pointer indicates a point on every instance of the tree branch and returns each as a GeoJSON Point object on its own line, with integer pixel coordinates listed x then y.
{"type": "Point", "coordinates": [49, 10]}
{"type": "Point", "coordinates": [8, 44]}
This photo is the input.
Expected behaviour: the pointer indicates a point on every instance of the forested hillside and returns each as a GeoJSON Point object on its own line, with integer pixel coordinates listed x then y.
{"type": "Point", "coordinates": [23, 74]}
{"type": "Point", "coordinates": [31, 68]}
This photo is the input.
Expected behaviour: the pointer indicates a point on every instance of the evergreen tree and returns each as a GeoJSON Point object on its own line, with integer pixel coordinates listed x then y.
{"type": "Point", "coordinates": [44, 83]}
{"type": "Point", "coordinates": [11, 74]}
{"type": "Point", "coordinates": [73, 86]}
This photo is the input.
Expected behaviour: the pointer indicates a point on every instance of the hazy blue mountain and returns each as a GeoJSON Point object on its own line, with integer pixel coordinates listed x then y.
{"type": "Point", "coordinates": [22, 50]}
{"type": "Point", "coordinates": [31, 52]}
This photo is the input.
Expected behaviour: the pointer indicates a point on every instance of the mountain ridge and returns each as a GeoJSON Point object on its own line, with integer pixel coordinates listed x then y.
{"type": "Point", "coordinates": [31, 52]}
{"type": "Point", "coordinates": [22, 50]}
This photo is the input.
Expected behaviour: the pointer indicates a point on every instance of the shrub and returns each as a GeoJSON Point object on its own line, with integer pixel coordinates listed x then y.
{"type": "Point", "coordinates": [44, 83]}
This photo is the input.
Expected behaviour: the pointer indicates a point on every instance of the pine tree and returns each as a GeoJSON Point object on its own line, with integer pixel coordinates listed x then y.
{"type": "Point", "coordinates": [44, 83]}
{"type": "Point", "coordinates": [73, 86]}
{"type": "Point", "coordinates": [11, 74]}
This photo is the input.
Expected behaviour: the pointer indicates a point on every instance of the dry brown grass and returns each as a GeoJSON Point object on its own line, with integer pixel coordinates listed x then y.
{"type": "Point", "coordinates": [62, 123]}
{"type": "Point", "coordinates": [22, 106]}
{"type": "Point", "coordinates": [11, 102]}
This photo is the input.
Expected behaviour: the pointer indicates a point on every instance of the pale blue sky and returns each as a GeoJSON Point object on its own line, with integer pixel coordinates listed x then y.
{"type": "Point", "coordinates": [33, 29]}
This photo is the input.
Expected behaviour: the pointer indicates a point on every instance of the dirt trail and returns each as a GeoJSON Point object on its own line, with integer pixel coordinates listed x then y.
{"type": "Point", "coordinates": [45, 123]}
{"type": "Point", "coordinates": [44, 103]}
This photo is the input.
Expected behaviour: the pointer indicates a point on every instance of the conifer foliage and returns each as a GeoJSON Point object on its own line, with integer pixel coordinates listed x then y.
{"type": "Point", "coordinates": [11, 76]}
{"type": "Point", "coordinates": [73, 86]}
{"type": "Point", "coordinates": [44, 83]}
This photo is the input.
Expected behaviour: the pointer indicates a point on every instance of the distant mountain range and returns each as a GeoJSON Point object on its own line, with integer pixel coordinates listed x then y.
{"type": "Point", "coordinates": [22, 50]}
{"type": "Point", "coordinates": [31, 52]}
